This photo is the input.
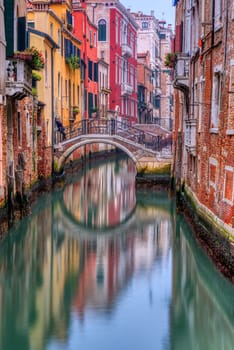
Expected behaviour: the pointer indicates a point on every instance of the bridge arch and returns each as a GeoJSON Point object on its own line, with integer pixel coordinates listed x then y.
{"type": "Point", "coordinates": [61, 161]}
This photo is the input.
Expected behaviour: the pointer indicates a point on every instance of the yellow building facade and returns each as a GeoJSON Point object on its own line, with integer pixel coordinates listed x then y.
{"type": "Point", "coordinates": [50, 25]}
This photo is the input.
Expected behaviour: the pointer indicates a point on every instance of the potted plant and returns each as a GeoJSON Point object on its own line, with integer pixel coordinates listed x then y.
{"type": "Point", "coordinates": [94, 111]}
{"type": "Point", "coordinates": [34, 91]}
{"type": "Point", "coordinates": [170, 60]}
{"type": "Point", "coordinates": [36, 76]}
{"type": "Point", "coordinates": [76, 110]}
{"type": "Point", "coordinates": [73, 62]}
{"type": "Point", "coordinates": [33, 56]}
{"type": "Point", "coordinates": [38, 61]}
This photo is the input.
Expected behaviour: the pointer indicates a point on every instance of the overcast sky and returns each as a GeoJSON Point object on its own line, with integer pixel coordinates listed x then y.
{"type": "Point", "coordinates": [163, 9]}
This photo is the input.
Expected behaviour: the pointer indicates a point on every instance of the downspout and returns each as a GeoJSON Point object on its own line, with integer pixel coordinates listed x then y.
{"type": "Point", "coordinates": [52, 109]}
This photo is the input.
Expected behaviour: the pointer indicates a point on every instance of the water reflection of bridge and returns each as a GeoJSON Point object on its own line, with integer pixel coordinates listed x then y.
{"type": "Point", "coordinates": [146, 211]}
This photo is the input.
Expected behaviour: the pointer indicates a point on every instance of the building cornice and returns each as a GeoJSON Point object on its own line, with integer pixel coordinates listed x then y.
{"type": "Point", "coordinates": [44, 35]}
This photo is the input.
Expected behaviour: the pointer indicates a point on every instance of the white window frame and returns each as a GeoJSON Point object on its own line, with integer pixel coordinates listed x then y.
{"type": "Point", "coordinates": [216, 99]}
{"type": "Point", "coordinates": [230, 123]}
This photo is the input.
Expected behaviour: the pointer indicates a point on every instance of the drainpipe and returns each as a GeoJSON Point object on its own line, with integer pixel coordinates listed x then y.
{"type": "Point", "coordinates": [52, 109]}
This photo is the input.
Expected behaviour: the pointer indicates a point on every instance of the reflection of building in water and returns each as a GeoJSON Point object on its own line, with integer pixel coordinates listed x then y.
{"type": "Point", "coordinates": [105, 196]}
{"type": "Point", "coordinates": [202, 299]}
{"type": "Point", "coordinates": [33, 284]}
{"type": "Point", "coordinates": [109, 264]}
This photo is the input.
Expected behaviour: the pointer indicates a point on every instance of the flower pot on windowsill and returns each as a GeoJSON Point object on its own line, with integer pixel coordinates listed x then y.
{"type": "Point", "coordinates": [24, 56]}
{"type": "Point", "coordinates": [73, 62]}
{"type": "Point", "coordinates": [170, 60]}
{"type": "Point", "coordinates": [76, 110]}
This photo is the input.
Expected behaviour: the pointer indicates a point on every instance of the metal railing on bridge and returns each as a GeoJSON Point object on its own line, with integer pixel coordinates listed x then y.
{"type": "Point", "coordinates": [156, 140]}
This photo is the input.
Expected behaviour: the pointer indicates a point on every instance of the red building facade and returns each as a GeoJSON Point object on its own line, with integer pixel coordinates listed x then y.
{"type": "Point", "coordinates": [86, 31]}
{"type": "Point", "coordinates": [117, 37]}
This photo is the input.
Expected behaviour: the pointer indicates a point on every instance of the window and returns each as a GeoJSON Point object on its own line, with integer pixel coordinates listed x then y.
{"type": "Point", "coordinates": [229, 184]}
{"type": "Point", "coordinates": [51, 30]}
{"type": "Point", "coordinates": [90, 69]}
{"type": "Point", "coordinates": [162, 36]}
{"type": "Point", "coordinates": [59, 38]}
{"type": "Point", "coordinates": [95, 72]}
{"type": "Point", "coordinates": [78, 95]}
{"type": "Point", "coordinates": [231, 98]}
{"type": "Point", "coordinates": [132, 76]}
{"type": "Point", "coordinates": [117, 29]}
{"type": "Point", "coordinates": [145, 25]}
{"type": "Point", "coordinates": [46, 69]}
{"type": "Point", "coordinates": [90, 38]}
{"type": "Point", "coordinates": [200, 109]}
{"type": "Point", "coordinates": [31, 24]}
{"type": "Point", "coordinates": [198, 169]}
{"type": "Point", "coordinates": [19, 129]}
{"type": "Point", "coordinates": [212, 172]}
{"type": "Point", "coordinates": [47, 132]}
{"type": "Point", "coordinates": [94, 39]}
{"type": "Point", "coordinates": [66, 93]}
{"type": "Point", "coordinates": [59, 86]}
{"type": "Point", "coordinates": [216, 100]}
{"type": "Point", "coordinates": [218, 13]}
{"type": "Point", "coordinates": [28, 127]}
{"type": "Point", "coordinates": [62, 92]}
{"type": "Point", "coordinates": [102, 30]}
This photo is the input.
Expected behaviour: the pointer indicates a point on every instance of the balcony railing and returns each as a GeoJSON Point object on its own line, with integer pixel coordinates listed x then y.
{"type": "Point", "coordinates": [18, 78]}
{"type": "Point", "coordinates": [126, 89]}
{"type": "Point", "coordinates": [126, 50]}
{"type": "Point", "coordinates": [181, 80]}
{"type": "Point", "coordinates": [190, 135]}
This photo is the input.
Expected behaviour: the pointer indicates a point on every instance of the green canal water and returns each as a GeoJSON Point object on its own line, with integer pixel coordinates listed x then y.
{"type": "Point", "coordinates": [100, 266]}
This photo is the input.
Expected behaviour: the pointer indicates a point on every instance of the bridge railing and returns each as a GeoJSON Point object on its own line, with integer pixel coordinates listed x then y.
{"type": "Point", "coordinates": [111, 127]}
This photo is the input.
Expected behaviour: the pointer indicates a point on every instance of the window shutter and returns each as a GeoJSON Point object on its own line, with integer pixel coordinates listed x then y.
{"type": "Point", "coordinates": [22, 34]}
{"type": "Point", "coordinates": [90, 70]}
{"type": "Point", "coordinates": [95, 72]}
{"type": "Point", "coordinates": [90, 103]}
{"type": "Point", "coordinates": [9, 26]}
{"type": "Point", "coordinates": [179, 37]}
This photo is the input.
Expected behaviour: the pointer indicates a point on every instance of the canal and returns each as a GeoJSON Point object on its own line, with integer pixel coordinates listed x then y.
{"type": "Point", "coordinates": [99, 265]}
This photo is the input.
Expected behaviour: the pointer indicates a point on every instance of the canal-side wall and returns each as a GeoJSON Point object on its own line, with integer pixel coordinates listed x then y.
{"type": "Point", "coordinates": [216, 237]}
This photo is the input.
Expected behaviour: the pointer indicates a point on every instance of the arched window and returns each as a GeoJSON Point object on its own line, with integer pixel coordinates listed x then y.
{"type": "Point", "coordinates": [102, 30]}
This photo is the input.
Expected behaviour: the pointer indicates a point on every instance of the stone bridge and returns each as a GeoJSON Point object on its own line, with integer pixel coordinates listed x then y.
{"type": "Point", "coordinates": [149, 150]}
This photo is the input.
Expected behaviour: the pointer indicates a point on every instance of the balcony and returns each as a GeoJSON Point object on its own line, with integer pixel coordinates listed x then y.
{"type": "Point", "coordinates": [126, 89]}
{"type": "Point", "coordinates": [190, 135]}
{"type": "Point", "coordinates": [126, 50]}
{"type": "Point", "coordinates": [18, 78]}
{"type": "Point", "coordinates": [181, 81]}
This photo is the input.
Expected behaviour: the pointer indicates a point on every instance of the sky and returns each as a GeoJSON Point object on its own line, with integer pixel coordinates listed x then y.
{"type": "Point", "coordinates": [163, 9]}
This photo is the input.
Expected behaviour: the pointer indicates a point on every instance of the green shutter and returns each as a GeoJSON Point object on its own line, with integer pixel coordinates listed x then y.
{"type": "Point", "coordinates": [9, 26]}
{"type": "Point", "coordinates": [90, 103]}
{"type": "Point", "coordinates": [22, 34]}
